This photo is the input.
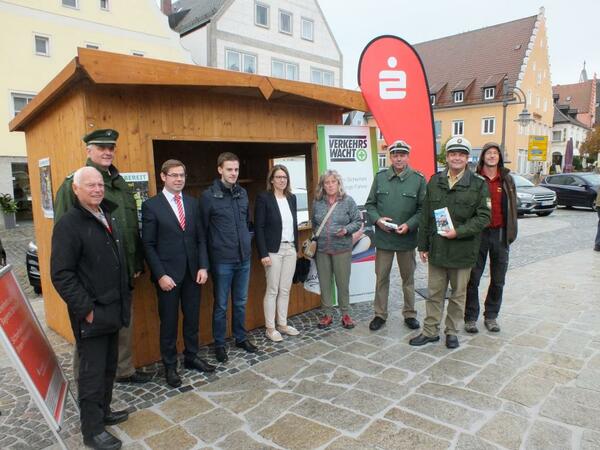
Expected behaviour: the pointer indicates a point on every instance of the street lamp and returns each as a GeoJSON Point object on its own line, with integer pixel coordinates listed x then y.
{"type": "Point", "coordinates": [513, 95]}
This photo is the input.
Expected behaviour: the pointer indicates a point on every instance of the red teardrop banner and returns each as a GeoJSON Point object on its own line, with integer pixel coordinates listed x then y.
{"type": "Point", "coordinates": [394, 85]}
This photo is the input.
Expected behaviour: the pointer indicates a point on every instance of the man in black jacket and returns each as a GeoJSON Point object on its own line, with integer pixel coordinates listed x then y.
{"type": "Point", "coordinates": [225, 250]}
{"type": "Point", "coordinates": [171, 237]}
{"type": "Point", "coordinates": [495, 239]}
{"type": "Point", "coordinates": [89, 271]}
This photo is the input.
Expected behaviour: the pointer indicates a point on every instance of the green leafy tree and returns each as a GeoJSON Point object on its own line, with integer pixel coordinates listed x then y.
{"type": "Point", "coordinates": [441, 155]}
{"type": "Point", "coordinates": [591, 146]}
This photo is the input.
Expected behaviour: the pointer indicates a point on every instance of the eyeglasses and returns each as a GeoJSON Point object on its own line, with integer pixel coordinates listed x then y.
{"type": "Point", "coordinates": [280, 177]}
{"type": "Point", "coordinates": [176, 175]}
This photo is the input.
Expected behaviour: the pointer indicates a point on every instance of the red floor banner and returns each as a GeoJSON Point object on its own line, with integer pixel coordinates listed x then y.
{"type": "Point", "coordinates": [30, 351]}
{"type": "Point", "coordinates": [394, 85]}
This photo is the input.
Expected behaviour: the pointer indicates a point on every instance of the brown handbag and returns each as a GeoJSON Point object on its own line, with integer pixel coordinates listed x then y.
{"type": "Point", "coordinates": [309, 246]}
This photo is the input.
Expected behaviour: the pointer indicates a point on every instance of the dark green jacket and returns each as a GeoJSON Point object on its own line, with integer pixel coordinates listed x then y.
{"type": "Point", "coordinates": [401, 198]}
{"type": "Point", "coordinates": [116, 191]}
{"type": "Point", "coordinates": [469, 205]}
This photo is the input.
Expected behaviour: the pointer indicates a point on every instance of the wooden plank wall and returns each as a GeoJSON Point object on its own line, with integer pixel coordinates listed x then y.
{"type": "Point", "coordinates": [143, 115]}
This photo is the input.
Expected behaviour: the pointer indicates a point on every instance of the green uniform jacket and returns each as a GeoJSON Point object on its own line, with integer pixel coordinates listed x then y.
{"type": "Point", "coordinates": [469, 205]}
{"type": "Point", "coordinates": [117, 191]}
{"type": "Point", "coordinates": [401, 198]}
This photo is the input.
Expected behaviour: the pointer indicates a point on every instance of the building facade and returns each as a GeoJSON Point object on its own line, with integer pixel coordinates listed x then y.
{"type": "Point", "coordinates": [566, 127]}
{"type": "Point", "coordinates": [44, 36]}
{"type": "Point", "coordinates": [279, 38]}
{"type": "Point", "coordinates": [479, 82]}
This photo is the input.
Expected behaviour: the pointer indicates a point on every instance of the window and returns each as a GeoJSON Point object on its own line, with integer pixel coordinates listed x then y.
{"type": "Point", "coordinates": [19, 101]}
{"type": "Point", "coordinates": [381, 160]}
{"type": "Point", "coordinates": [137, 53]}
{"type": "Point", "coordinates": [92, 45]}
{"type": "Point", "coordinates": [308, 29]}
{"type": "Point", "coordinates": [459, 96]}
{"type": "Point", "coordinates": [261, 15]}
{"type": "Point", "coordinates": [545, 104]}
{"type": "Point", "coordinates": [283, 69]}
{"type": "Point", "coordinates": [71, 3]}
{"type": "Point", "coordinates": [320, 76]}
{"type": "Point", "coordinates": [458, 127]}
{"type": "Point", "coordinates": [488, 125]}
{"type": "Point", "coordinates": [438, 128]}
{"type": "Point", "coordinates": [42, 45]}
{"type": "Point", "coordinates": [240, 61]}
{"type": "Point", "coordinates": [432, 99]}
{"type": "Point", "coordinates": [104, 5]}
{"type": "Point", "coordinates": [489, 93]}
{"type": "Point", "coordinates": [285, 22]}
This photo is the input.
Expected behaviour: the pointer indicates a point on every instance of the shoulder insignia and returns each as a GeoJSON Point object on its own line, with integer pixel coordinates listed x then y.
{"type": "Point", "coordinates": [68, 177]}
{"type": "Point", "coordinates": [419, 173]}
{"type": "Point", "coordinates": [478, 176]}
{"type": "Point", "coordinates": [383, 169]}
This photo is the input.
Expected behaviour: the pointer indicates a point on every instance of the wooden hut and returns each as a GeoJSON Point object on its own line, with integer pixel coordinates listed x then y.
{"type": "Point", "coordinates": [169, 110]}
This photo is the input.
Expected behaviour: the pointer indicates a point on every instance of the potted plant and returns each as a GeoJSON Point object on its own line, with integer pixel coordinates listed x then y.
{"type": "Point", "coordinates": [8, 207]}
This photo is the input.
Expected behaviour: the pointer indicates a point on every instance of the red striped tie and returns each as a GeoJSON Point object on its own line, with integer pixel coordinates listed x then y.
{"type": "Point", "coordinates": [180, 212]}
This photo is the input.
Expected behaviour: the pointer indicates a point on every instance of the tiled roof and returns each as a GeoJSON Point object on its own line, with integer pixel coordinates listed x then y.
{"type": "Point", "coordinates": [577, 95]}
{"type": "Point", "coordinates": [190, 14]}
{"type": "Point", "coordinates": [486, 55]}
{"type": "Point", "coordinates": [561, 117]}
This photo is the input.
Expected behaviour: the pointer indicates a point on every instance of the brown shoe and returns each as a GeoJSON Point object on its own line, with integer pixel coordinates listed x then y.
{"type": "Point", "coordinates": [492, 325]}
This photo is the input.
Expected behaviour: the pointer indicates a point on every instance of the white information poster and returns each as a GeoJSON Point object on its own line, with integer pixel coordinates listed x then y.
{"type": "Point", "coordinates": [352, 152]}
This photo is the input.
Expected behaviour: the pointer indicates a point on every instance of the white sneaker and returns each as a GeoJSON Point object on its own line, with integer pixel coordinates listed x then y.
{"type": "Point", "coordinates": [289, 330]}
{"type": "Point", "coordinates": [274, 335]}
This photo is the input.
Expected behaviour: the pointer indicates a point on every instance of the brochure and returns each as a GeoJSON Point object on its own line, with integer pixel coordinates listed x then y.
{"type": "Point", "coordinates": [443, 220]}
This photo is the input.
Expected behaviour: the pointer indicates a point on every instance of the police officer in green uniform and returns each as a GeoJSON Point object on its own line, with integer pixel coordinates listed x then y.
{"type": "Point", "coordinates": [100, 146]}
{"type": "Point", "coordinates": [394, 205]}
{"type": "Point", "coordinates": [453, 252]}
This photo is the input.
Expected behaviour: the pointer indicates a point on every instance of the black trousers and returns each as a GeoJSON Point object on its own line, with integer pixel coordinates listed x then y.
{"type": "Point", "coordinates": [97, 368]}
{"type": "Point", "coordinates": [186, 294]}
{"type": "Point", "coordinates": [493, 242]}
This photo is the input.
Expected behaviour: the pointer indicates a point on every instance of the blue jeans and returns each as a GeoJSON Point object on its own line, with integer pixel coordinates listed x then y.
{"type": "Point", "coordinates": [230, 277]}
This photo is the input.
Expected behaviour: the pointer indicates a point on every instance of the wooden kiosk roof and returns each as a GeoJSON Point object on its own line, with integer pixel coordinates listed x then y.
{"type": "Point", "coordinates": [104, 68]}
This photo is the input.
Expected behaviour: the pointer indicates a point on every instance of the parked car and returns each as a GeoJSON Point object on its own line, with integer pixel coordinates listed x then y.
{"type": "Point", "coordinates": [2, 255]}
{"type": "Point", "coordinates": [33, 268]}
{"type": "Point", "coordinates": [532, 199]}
{"type": "Point", "coordinates": [574, 189]}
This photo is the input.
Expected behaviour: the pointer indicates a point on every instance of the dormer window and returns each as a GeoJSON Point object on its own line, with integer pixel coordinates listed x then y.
{"type": "Point", "coordinates": [459, 96]}
{"type": "Point", "coordinates": [432, 99]}
{"type": "Point", "coordinates": [489, 93]}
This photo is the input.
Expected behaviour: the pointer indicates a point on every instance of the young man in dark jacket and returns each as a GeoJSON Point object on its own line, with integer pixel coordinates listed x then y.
{"type": "Point", "coordinates": [451, 252]}
{"type": "Point", "coordinates": [495, 239]}
{"type": "Point", "coordinates": [89, 271]}
{"type": "Point", "coordinates": [225, 250]}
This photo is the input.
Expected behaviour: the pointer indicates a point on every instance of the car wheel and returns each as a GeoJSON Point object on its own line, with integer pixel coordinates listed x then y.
{"type": "Point", "coordinates": [37, 290]}
{"type": "Point", "coordinates": [545, 213]}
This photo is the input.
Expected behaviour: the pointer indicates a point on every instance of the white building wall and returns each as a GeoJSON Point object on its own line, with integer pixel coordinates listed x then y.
{"type": "Point", "coordinates": [239, 19]}
{"type": "Point", "coordinates": [264, 58]}
{"type": "Point", "coordinates": [197, 44]}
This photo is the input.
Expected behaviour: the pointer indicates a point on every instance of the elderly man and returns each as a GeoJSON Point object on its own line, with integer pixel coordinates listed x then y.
{"type": "Point", "coordinates": [394, 205]}
{"type": "Point", "coordinates": [451, 251]}
{"type": "Point", "coordinates": [89, 272]}
{"type": "Point", "coordinates": [101, 146]}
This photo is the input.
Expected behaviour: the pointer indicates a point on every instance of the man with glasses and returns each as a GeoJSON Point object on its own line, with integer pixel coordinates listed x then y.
{"type": "Point", "coordinates": [100, 147]}
{"type": "Point", "coordinates": [171, 237]}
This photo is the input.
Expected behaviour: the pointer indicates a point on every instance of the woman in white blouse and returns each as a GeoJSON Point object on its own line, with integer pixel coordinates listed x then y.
{"type": "Point", "coordinates": [276, 231]}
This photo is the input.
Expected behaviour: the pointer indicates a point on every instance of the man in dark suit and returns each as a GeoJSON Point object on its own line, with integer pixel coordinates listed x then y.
{"type": "Point", "coordinates": [88, 268]}
{"type": "Point", "coordinates": [171, 237]}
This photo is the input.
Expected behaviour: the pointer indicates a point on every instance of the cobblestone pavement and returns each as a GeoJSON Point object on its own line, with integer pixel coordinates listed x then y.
{"type": "Point", "coordinates": [534, 385]}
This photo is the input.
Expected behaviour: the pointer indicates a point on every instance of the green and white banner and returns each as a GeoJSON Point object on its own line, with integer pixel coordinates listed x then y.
{"type": "Point", "coordinates": [352, 152]}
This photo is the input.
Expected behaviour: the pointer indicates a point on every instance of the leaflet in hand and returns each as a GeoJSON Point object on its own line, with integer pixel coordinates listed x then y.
{"type": "Point", "coordinates": [443, 220]}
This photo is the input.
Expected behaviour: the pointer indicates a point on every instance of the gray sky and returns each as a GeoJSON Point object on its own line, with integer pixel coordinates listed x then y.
{"type": "Point", "coordinates": [572, 27]}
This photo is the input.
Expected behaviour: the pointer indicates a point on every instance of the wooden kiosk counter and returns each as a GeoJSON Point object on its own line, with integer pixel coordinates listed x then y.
{"type": "Point", "coordinates": [168, 110]}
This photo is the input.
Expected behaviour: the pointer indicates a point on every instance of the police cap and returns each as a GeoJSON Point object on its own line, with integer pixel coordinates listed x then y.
{"type": "Point", "coordinates": [101, 137]}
